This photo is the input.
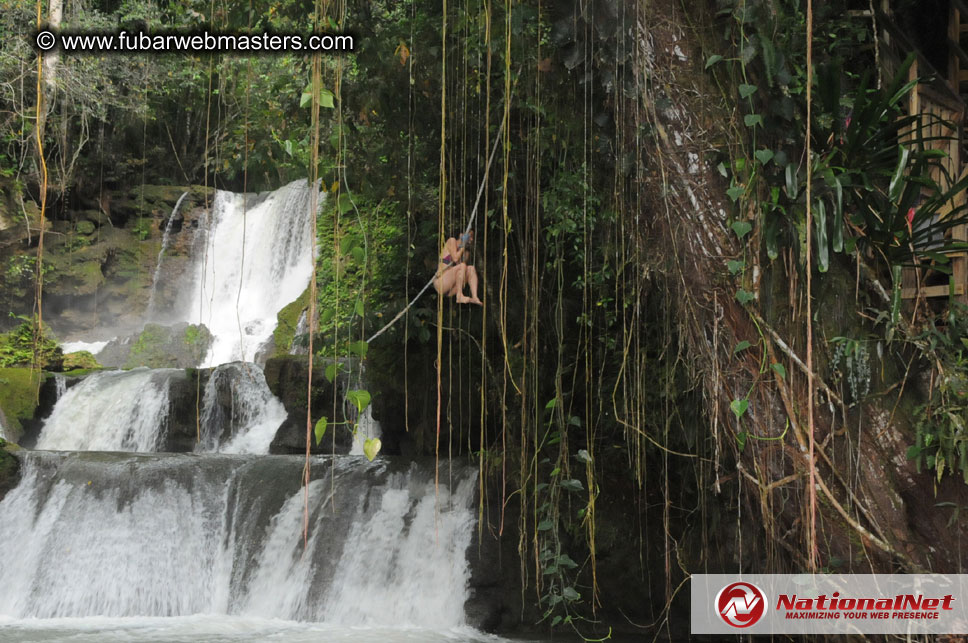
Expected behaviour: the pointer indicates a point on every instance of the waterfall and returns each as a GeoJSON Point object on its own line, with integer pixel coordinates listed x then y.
{"type": "Point", "coordinates": [257, 258]}
{"type": "Point", "coordinates": [150, 310]}
{"type": "Point", "coordinates": [302, 327]}
{"type": "Point", "coordinates": [60, 386]}
{"type": "Point", "coordinates": [254, 413]}
{"type": "Point", "coordinates": [172, 535]}
{"type": "Point", "coordinates": [411, 545]}
{"type": "Point", "coordinates": [110, 411]}
{"type": "Point", "coordinates": [130, 411]}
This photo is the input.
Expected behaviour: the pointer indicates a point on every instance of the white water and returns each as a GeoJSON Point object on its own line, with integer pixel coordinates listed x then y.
{"type": "Point", "coordinates": [221, 629]}
{"type": "Point", "coordinates": [91, 347]}
{"type": "Point", "coordinates": [60, 386]}
{"type": "Point", "coordinates": [254, 412]}
{"type": "Point", "coordinates": [165, 240]}
{"type": "Point", "coordinates": [110, 411]}
{"type": "Point", "coordinates": [179, 535]}
{"type": "Point", "coordinates": [256, 259]}
{"type": "Point", "coordinates": [412, 546]}
{"type": "Point", "coordinates": [366, 428]}
{"type": "Point", "coordinates": [128, 411]}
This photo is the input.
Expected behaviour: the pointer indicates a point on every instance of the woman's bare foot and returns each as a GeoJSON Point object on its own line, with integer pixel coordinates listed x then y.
{"type": "Point", "coordinates": [461, 299]}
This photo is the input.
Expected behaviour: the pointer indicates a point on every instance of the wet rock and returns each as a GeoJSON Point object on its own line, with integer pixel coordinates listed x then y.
{"type": "Point", "coordinates": [287, 377]}
{"type": "Point", "coordinates": [9, 467]}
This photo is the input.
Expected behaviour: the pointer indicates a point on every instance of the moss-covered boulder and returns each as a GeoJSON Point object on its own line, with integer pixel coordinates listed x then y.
{"type": "Point", "coordinates": [80, 360]}
{"type": "Point", "coordinates": [288, 324]}
{"type": "Point", "coordinates": [156, 346]}
{"type": "Point", "coordinates": [19, 390]}
{"type": "Point", "coordinates": [84, 227]}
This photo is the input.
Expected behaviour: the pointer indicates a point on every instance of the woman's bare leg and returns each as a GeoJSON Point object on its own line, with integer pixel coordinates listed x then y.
{"type": "Point", "coordinates": [446, 282]}
{"type": "Point", "coordinates": [458, 290]}
{"type": "Point", "coordinates": [472, 282]}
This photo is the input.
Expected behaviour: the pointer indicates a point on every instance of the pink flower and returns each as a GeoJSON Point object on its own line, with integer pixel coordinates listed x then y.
{"type": "Point", "coordinates": [910, 220]}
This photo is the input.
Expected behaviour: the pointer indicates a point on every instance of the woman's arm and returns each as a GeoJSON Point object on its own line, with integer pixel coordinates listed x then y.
{"type": "Point", "coordinates": [452, 248]}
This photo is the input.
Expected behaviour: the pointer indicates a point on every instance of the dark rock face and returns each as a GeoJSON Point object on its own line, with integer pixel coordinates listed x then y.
{"type": "Point", "coordinates": [9, 468]}
{"type": "Point", "coordinates": [287, 377]}
{"type": "Point", "coordinates": [489, 603]}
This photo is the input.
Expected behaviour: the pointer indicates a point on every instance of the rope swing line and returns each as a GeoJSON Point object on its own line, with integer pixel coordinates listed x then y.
{"type": "Point", "coordinates": [470, 223]}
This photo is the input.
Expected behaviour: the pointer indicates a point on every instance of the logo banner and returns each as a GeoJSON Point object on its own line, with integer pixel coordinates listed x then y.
{"type": "Point", "coordinates": [829, 604]}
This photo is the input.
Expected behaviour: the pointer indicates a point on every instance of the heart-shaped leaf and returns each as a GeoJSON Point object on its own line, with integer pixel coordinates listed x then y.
{"type": "Point", "coordinates": [360, 399]}
{"type": "Point", "coordinates": [741, 228]}
{"type": "Point", "coordinates": [744, 296]}
{"type": "Point", "coordinates": [320, 429]}
{"type": "Point", "coordinates": [371, 446]}
{"type": "Point", "coordinates": [359, 348]}
{"type": "Point", "coordinates": [752, 120]}
{"type": "Point", "coordinates": [763, 156]}
{"type": "Point", "coordinates": [735, 265]}
{"type": "Point", "coordinates": [779, 369]}
{"type": "Point", "coordinates": [742, 346]}
{"type": "Point", "coordinates": [332, 369]}
{"type": "Point", "coordinates": [735, 192]}
{"type": "Point", "coordinates": [741, 440]}
{"type": "Point", "coordinates": [344, 203]}
{"type": "Point", "coordinates": [738, 407]}
{"type": "Point", "coordinates": [572, 485]}
{"type": "Point", "coordinates": [712, 60]}
{"type": "Point", "coordinates": [745, 91]}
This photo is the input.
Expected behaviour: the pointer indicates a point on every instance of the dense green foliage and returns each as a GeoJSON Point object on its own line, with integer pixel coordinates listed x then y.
{"type": "Point", "coordinates": [17, 347]}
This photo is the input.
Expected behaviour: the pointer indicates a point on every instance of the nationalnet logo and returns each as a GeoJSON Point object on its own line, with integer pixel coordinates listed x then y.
{"type": "Point", "coordinates": [830, 604]}
{"type": "Point", "coordinates": [741, 604]}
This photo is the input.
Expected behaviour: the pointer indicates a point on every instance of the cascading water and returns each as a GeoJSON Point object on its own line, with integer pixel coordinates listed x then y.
{"type": "Point", "coordinates": [173, 535]}
{"type": "Point", "coordinates": [208, 546]}
{"type": "Point", "coordinates": [257, 258]}
{"type": "Point", "coordinates": [165, 239]}
{"type": "Point", "coordinates": [129, 411]}
{"type": "Point", "coordinates": [253, 415]}
{"type": "Point", "coordinates": [60, 386]}
{"type": "Point", "coordinates": [110, 411]}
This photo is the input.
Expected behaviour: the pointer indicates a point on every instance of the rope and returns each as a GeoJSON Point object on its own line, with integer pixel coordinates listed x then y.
{"type": "Point", "coordinates": [470, 223]}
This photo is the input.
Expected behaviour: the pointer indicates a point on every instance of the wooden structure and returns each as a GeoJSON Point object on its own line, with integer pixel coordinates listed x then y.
{"type": "Point", "coordinates": [941, 102]}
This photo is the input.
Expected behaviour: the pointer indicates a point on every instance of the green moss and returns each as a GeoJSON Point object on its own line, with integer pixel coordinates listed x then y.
{"type": "Point", "coordinates": [161, 346]}
{"type": "Point", "coordinates": [80, 360]}
{"type": "Point", "coordinates": [19, 388]}
{"type": "Point", "coordinates": [288, 319]}
{"type": "Point", "coordinates": [84, 227]}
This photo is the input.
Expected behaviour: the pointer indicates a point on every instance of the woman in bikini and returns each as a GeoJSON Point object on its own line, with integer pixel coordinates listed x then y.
{"type": "Point", "coordinates": [453, 273]}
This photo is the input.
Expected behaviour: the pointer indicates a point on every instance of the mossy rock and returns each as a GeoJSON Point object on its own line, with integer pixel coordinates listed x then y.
{"type": "Point", "coordinates": [96, 217]}
{"type": "Point", "coordinates": [157, 346]}
{"type": "Point", "coordinates": [84, 227]}
{"type": "Point", "coordinates": [80, 360]}
{"type": "Point", "coordinates": [19, 390]}
{"type": "Point", "coordinates": [287, 321]}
